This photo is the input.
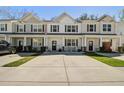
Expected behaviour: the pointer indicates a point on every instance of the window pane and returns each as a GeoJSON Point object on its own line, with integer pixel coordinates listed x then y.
{"type": "Point", "coordinates": [73, 42]}
{"type": "Point", "coordinates": [73, 28]}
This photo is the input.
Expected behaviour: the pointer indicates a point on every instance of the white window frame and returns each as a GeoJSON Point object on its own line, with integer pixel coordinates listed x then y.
{"type": "Point", "coordinates": [71, 42]}
{"type": "Point", "coordinates": [71, 28]}
{"type": "Point", "coordinates": [91, 29]}
{"type": "Point", "coordinates": [3, 27]}
{"type": "Point", "coordinates": [40, 28]}
{"type": "Point", "coordinates": [106, 28]}
{"type": "Point", "coordinates": [55, 28]}
{"type": "Point", "coordinates": [35, 27]}
{"type": "Point", "coordinates": [21, 28]}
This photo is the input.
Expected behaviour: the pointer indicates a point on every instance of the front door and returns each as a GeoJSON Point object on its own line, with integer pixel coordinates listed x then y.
{"type": "Point", "coordinates": [20, 43]}
{"type": "Point", "coordinates": [54, 44]}
{"type": "Point", "coordinates": [90, 45]}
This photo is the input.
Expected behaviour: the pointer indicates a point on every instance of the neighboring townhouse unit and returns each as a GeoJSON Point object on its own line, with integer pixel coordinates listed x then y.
{"type": "Point", "coordinates": [62, 33]}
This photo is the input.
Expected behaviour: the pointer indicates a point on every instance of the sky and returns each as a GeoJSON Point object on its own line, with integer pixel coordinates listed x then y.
{"type": "Point", "coordinates": [48, 12]}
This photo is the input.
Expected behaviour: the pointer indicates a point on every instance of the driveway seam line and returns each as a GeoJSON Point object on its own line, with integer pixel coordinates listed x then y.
{"type": "Point", "coordinates": [66, 72]}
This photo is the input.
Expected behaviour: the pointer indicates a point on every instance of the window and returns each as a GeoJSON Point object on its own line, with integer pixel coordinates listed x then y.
{"type": "Point", "coordinates": [106, 27]}
{"type": "Point", "coordinates": [91, 27]}
{"type": "Point", "coordinates": [35, 28]}
{"type": "Point", "coordinates": [39, 28]}
{"type": "Point", "coordinates": [21, 28]}
{"type": "Point", "coordinates": [71, 28]}
{"type": "Point", "coordinates": [109, 27]}
{"type": "Point", "coordinates": [68, 28]}
{"type": "Point", "coordinates": [3, 27]}
{"type": "Point", "coordinates": [54, 28]}
{"type": "Point", "coordinates": [71, 42]}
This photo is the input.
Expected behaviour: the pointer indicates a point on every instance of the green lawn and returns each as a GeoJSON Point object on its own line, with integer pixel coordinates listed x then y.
{"type": "Point", "coordinates": [19, 62]}
{"type": "Point", "coordinates": [107, 60]}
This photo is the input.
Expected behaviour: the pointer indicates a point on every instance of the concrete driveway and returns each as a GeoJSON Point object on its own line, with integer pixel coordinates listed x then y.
{"type": "Point", "coordinates": [62, 70]}
{"type": "Point", "coordinates": [4, 59]}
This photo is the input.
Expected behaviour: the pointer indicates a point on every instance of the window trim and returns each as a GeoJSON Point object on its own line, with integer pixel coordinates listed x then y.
{"type": "Point", "coordinates": [91, 27]}
{"type": "Point", "coordinates": [71, 28]}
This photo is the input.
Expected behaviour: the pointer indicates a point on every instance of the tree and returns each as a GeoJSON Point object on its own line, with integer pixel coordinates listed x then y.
{"type": "Point", "coordinates": [85, 16]}
{"type": "Point", "coordinates": [9, 13]}
{"type": "Point", "coordinates": [121, 15]}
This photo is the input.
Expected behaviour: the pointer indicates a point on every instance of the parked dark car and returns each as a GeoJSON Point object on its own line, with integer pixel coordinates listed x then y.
{"type": "Point", "coordinates": [5, 47]}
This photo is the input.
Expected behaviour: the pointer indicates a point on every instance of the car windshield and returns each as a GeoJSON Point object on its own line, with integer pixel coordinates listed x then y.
{"type": "Point", "coordinates": [4, 42]}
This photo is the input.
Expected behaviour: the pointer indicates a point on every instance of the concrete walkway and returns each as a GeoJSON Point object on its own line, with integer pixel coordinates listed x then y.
{"type": "Point", "coordinates": [62, 70]}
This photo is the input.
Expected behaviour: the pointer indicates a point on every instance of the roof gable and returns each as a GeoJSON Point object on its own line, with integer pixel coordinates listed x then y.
{"type": "Point", "coordinates": [30, 18]}
{"type": "Point", "coordinates": [64, 18]}
{"type": "Point", "coordinates": [106, 18]}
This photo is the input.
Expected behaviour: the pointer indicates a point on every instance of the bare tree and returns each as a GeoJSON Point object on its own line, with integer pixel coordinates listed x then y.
{"type": "Point", "coordinates": [9, 13]}
{"type": "Point", "coordinates": [85, 16]}
{"type": "Point", "coordinates": [121, 15]}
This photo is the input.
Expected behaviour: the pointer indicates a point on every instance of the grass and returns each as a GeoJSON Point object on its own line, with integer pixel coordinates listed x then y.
{"type": "Point", "coordinates": [107, 60]}
{"type": "Point", "coordinates": [20, 61]}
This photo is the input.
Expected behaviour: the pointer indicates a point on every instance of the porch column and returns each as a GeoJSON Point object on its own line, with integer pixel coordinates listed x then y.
{"type": "Point", "coordinates": [44, 42]}
{"type": "Point", "coordinates": [82, 42]}
{"type": "Point", "coordinates": [85, 44]}
{"type": "Point", "coordinates": [63, 41]}
{"type": "Point", "coordinates": [7, 38]}
{"type": "Point", "coordinates": [120, 40]}
{"type": "Point", "coordinates": [100, 41]}
{"type": "Point", "coordinates": [85, 41]}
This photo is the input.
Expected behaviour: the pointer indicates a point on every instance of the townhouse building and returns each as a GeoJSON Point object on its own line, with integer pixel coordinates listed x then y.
{"type": "Point", "coordinates": [63, 33]}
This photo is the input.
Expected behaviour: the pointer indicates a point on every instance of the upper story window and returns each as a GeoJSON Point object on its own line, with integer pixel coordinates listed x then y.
{"type": "Point", "coordinates": [37, 28]}
{"type": "Point", "coordinates": [106, 27]}
{"type": "Point", "coordinates": [30, 28]}
{"type": "Point", "coordinates": [21, 28]}
{"type": "Point", "coordinates": [71, 28]}
{"type": "Point", "coordinates": [3, 27]}
{"type": "Point", "coordinates": [91, 27]}
{"type": "Point", "coordinates": [54, 28]}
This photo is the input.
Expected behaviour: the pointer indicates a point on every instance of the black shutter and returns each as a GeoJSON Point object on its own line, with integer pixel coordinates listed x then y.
{"type": "Point", "coordinates": [51, 28]}
{"type": "Point", "coordinates": [31, 28]}
{"type": "Point", "coordinates": [77, 28]}
{"type": "Point", "coordinates": [43, 28]}
{"type": "Point", "coordinates": [95, 28]}
{"type": "Point", "coordinates": [76, 42]}
{"type": "Point", "coordinates": [65, 28]}
{"type": "Point", "coordinates": [65, 42]}
{"type": "Point", "coordinates": [87, 27]}
{"type": "Point", "coordinates": [58, 28]}
{"type": "Point", "coordinates": [17, 28]}
{"type": "Point", "coordinates": [5, 27]}
{"type": "Point", "coordinates": [24, 28]}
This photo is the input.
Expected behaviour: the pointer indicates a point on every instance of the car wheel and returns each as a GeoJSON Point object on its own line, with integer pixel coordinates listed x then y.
{"type": "Point", "coordinates": [13, 51]}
